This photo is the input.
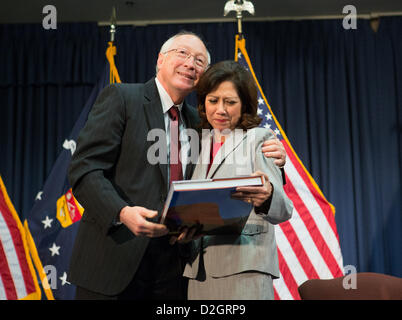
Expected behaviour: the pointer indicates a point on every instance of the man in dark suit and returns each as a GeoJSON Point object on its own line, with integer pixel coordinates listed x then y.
{"type": "Point", "coordinates": [120, 251]}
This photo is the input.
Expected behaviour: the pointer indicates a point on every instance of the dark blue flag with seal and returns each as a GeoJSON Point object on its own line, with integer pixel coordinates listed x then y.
{"type": "Point", "coordinates": [52, 224]}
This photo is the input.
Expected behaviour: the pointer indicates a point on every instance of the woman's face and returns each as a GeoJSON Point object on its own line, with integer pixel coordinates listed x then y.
{"type": "Point", "coordinates": [223, 106]}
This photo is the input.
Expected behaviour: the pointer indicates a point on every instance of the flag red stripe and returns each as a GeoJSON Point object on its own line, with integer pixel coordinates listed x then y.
{"type": "Point", "coordinates": [288, 276]}
{"type": "Point", "coordinates": [314, 231]}
{"type": "Point", "coordinates": [8, 281]}
{"type": "Point", "coordinates": [298, 249]}
{"type": "Point", "coordinates": [18, 245]}
{"type": "Point", "coordinates": [324, 205]}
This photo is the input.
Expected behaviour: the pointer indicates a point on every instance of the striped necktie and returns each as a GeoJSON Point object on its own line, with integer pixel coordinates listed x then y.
{"type": "Point", "coordinates": [176, 171]}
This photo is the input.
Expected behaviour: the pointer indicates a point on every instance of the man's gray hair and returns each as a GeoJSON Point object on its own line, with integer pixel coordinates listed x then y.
{"type": "Point", "coordinates": [168, 43]}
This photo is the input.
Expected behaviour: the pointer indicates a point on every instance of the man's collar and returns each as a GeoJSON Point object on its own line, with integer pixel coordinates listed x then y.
{"type": "Point", "coordinates": [166, 100]}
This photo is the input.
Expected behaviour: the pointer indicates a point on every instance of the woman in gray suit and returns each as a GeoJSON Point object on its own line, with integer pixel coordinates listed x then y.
{"type": "Point", "coordinates": [236, 266]}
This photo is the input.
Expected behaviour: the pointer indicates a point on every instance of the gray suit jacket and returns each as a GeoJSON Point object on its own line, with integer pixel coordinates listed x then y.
{"type": "Point", "coordinates": [255, 249]}
{"type": "Point", "coordinates": [110, 170]}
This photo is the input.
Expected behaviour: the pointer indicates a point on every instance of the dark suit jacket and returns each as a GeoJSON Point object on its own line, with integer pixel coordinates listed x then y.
{"type": "Point", "coordinates": [110, 170]}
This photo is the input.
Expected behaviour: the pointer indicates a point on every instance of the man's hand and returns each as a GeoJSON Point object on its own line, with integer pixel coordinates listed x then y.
{"type": "Point", "coordinates": [186, 235]}
{"type": "Point", "coordinates": [273, 148]}
{"type": "Point", "coordinates": [134, 218]}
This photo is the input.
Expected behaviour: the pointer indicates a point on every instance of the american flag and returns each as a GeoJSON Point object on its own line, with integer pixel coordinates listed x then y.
{"type": "Point", "coordinates": [17, 275]}
{"type": "Point", "coordinates": [308, 243]}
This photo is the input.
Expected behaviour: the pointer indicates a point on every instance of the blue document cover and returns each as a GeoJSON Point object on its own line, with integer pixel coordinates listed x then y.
{"type": "Point", "coordinates": [210, 210]}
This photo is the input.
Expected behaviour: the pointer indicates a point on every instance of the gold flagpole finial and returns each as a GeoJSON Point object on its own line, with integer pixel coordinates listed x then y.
{"type": "Point", "coordinates": [239, 6]}
{"type": "Point", "coordinates": [113, 24]}
{"type": "Point", "coordinates": [111, 50]}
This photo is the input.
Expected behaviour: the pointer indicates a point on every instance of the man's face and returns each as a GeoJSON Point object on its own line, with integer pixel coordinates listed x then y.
{"type": "Point", "coordinates": [177, 73]}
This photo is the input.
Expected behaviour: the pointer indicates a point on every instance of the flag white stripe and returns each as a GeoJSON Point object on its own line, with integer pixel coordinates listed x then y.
{"type": "Point", "coordinates": [309, 246]}
{"type": "Point", "coordinates": [3, 295]}
{"type": "Point", "coordinates": [12, 258]}
{"type": "Point", "coordinates": [315, 211]}
{"type": "Point", "coordinates": [289, 256]}
{"type": "Point", "coordinates": [282, 289]}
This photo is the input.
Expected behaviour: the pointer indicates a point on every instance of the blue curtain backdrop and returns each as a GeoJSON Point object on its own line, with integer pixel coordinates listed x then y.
{"type": "Point", "coordinates": [337, 93]}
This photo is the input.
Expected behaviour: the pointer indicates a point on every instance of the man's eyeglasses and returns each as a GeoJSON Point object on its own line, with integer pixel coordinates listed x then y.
{"type": "Point", "coordinates": [183, 54]}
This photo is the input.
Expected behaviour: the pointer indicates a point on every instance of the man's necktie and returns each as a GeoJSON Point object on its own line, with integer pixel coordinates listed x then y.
{"type": "Point", "coordinates": [176, 171]}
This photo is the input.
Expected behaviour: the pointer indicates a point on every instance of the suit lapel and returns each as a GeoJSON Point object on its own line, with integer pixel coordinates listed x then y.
{"type": "Point", "coordinates": [201, 169]}
{"type": "Point", "coordinates": [226, 151]}
{"type": "Point", "coordinates": [185, 114]}
{"type": "Point", "coordinates": [154, 116]}
{"type": "Point", "coordinates": [188, 125]}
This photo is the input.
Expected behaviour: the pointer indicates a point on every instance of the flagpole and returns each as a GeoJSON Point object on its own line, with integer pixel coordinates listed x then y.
{"type": "Point", "coordinates": [113, 24]}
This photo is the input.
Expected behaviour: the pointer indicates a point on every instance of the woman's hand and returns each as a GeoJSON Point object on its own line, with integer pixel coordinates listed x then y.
{"type": "Point", "coordinates": [254, 195]}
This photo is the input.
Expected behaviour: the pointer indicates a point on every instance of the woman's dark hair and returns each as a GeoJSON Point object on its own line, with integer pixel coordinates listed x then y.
{"type": "Point", "coordinates": [245, 86]}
